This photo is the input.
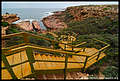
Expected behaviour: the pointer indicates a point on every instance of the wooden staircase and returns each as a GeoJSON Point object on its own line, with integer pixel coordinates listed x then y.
{"type": "Point", "coordinates": [22, 60]}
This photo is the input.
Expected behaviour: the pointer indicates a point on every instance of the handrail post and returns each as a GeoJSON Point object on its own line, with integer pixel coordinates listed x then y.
{"type": "Point", "coordinates": [72, 45]}
{"type": "Point", "coordinates": [65, 69]}
{"type": "Point", "coordinates": [65, 46]}
{"type": "Point", "coordinates": [84, 49]}
{"type": "Point", "coordinates": [72, 48]}
{"type": "Point", "coordinates": [85, 63]}
{"type": "Point", "coordinates": [53, 43]}
{"type": "Point", "coordinates": [98, 55]}
{"type": "Point", "coordinates": [31, 59]}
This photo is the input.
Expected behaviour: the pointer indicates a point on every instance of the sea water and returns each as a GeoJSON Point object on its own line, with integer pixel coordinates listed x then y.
{"type": "Point", "coordinates": [31, 13]}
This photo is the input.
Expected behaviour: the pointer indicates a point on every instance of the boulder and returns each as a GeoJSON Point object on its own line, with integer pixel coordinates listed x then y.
{"type": "Point", "coordinates": [36, 25]}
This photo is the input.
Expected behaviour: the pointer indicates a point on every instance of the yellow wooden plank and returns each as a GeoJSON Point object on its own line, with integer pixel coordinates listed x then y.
{"type": "Point", "coordinates": [36, 66]}
{"type": "Point", "coordinates": [3, 65]}
{"type": "Point", "coordinates": [62, 58]}
{"type": "Point", "coordinates": [89, 63]}
{"type": "Point", "coordinates": [57, 63]}
{"type": "Point", "coordinates": [46, 64]}
{"type": "Point", "coordinates": [5, 75]}
{"type": "Point", "coordinates": [50, 64]}
{"type": "Point", "coordinates": [17, 58]}
{"type": "Point", "coordinates": [18, 71]}
{"type": "Point", "coordinates": [54, 66]}
{"type": "Point", "coordinates": [37, 56]}
{"type": "Point", "coordinates": [44, 57]}
{"type": "Point", "coordinates": [53, 58]}
{"type": "Point", "coordinates": [73, 65]}
{"type": "Point", "coordinates": [40, 58]}
{"type": "Point", "coordinates": [80, 58]}
{"type": "Point", "coordinates": [23, 55]}
{"type": "Point", "coordinates": [10, 59]}
{"type": "Point", "coordinates": [75, 59]}
{"type": "Point", "coordinates": [26, 69]}
{"type": "Point", "coordinates": [60, 66]}
{"type": "Point", "coordinates": [43, 66]}
{"type": "Point", "coordinates": [70, 59]}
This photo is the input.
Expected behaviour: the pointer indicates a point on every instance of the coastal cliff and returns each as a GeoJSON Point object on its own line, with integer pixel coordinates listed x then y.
{"type": "Point", "coordinates": [53, 22]}
{"type": "Point", "coordinates": [60, 19]}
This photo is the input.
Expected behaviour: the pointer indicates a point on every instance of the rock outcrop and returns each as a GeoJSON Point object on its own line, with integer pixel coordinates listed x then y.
{"type": "Point", "coordinates": [53, 23]}
{"type": "Point", "coordinates": [36, 25]}
{"type": "Point", "coordinates": [29, 26]}
{"type": "Point", "coordinates": [10, 18]}
{"type": "Point", "coordinates": [25, 25]}
{"type": "Point", "coordinates": [60, 19]}
{"type": "Point", "coordinates": [83, 12]}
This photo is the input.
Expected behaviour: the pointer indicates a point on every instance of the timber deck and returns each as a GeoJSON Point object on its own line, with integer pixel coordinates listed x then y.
{"type": "Point", "coordinates": [24, 69]}
{"type": "Point", "coordinates": [22, 60]}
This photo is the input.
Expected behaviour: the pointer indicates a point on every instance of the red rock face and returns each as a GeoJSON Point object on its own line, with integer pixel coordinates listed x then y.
{"type": "Point", "coordinates": [10, 18]}
{"type": "Point", "coordinates": [26, 25]}
{"type": "Point", "coordinates": [36, 25]}
{"type": "Point", "coordinates": [54, 23]}
{"type": "Point", "coordinates": [80, 13]}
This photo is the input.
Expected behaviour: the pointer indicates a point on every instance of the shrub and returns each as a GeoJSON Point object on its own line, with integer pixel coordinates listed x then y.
{"type": "Point", "coordinates": [111, 71]}
{"type": "Point", "coordinates": [4, 24]}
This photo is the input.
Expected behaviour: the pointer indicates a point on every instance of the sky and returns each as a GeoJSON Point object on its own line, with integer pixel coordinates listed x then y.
{"type": "Point", "coordinates": [64, 4]}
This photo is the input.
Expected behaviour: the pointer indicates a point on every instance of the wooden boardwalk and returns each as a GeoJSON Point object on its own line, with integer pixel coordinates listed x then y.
{"type": "Point", "coordinates": [22, 60]}
{"type": "Point", "coordinates": [24, 69]}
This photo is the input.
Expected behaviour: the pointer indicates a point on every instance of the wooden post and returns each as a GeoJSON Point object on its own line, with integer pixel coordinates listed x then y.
{"type": "Point", "coordinates": [98, 55]}
{"type": "Point", "coordinates": [7, 65]}
{"type": "Point", "coordinates": [85, 64]}
{"type": "Point", "coordinates": [72, 46]}
{"type": "Point", "coordinates": [65, 46]}
{"type": "Point", "coordinates": [84, 49]}
{"type": "Point", "coordinates": [65, 69]}
{"type": "Point", "coordinates": [31, 59]}
{"type": "Point", "coordinates": [53, 44]}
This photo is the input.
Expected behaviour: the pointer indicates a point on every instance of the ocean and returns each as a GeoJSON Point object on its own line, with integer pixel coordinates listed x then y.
{"type": "Point", "coordinates": [31, 13]}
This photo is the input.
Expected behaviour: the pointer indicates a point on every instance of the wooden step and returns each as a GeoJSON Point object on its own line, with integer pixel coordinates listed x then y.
{"type": "Point", "coordinates": [91, 62]}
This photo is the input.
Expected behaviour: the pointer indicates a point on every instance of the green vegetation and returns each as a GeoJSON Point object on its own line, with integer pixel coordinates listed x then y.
{"type": "Point", "coordinates": [94, 26]}
{"type": "Point", "coordinates": [13, 29]}
{"type": "Point", "coordinates": [111, 71]}
{"type": "Point", "coordinates": [4, 24]}
{"type": "Point", "coordinates": [102, 28]}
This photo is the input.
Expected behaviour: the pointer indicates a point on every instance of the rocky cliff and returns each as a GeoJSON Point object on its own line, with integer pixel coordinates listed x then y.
{"type": "Point", "coordinates": [9, 18]}
{"type": "Point", "coordinates": [60, 19]}
{"type": "Point", "coordinates": [79, 13]}
{"type": "Point", "coordinates": [53, 22]}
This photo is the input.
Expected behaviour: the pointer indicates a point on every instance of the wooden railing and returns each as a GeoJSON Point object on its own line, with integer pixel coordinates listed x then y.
{"type": "Point", "coordinates": [29, 51]}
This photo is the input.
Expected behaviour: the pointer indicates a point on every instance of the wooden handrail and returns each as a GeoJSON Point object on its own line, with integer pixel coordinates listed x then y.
{"type": "Point", "coordinates": [104, 47]}
{"type": "Point", "coordinates": [12, 35]}
{"type": "Point", "coordinates": [29, 34]}
{"type": "Point", "coordinates": [46, 49]}
{"type": "Point", "coordinates": [29, 47]}
{"type": "Point", "coordinates": [100, 41]}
